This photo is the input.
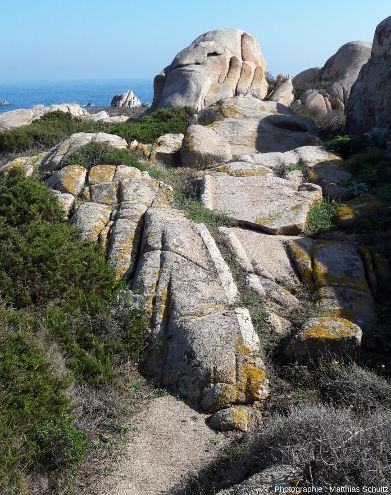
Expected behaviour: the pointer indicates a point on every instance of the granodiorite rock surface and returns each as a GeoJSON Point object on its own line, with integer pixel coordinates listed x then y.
{"type": "Point", "coordinates": [275, 479]}
{"type": "Point", "coordinates": [52, 160]}
{"type": "Point", "coordinates": [340, 287]}
{"type": "Point", "coordinates": [276, 205]}
{"type": "Point", "coordinates": [218, 64]}
{"type": "Point", "coordinates": [325, 336]}
{"type": "Point", "coordinates": [250, 125]}
{"type": "Point", "coordinates": [200, 344]}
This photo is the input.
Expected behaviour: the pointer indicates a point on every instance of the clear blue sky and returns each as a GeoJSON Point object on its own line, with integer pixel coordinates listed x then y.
{"type": "Point", "coordinates": [88, 39]}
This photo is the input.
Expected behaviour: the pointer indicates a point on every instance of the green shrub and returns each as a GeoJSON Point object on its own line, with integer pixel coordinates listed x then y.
{"type": "Point", "coordinates": [23, 200]}
{"type": "Point", "coordinates": [56, 126]}
{"type": "Point", "coordinates": [44, 262]}
{"type": "Point", "coordinates": [320, 217]}
{"type": "Point", "coordinates": [345, 145]}
{"type": "Point", "coordinates": [44, 133]}
{"type": "Point", "coordinates": [283, 170]}
{"type": "Point", "coordinates": [95, 343]}
{"type": "Point", "coordinates": [29, 397]}
{"type": "Point", "coordinates": [61, 444]}
{"type": "Point", "coordinates": [100, 153]}
{"type": "Point", "coordinates": [195, 211]}
{"type": "Point", "coordinates": [154, 125]}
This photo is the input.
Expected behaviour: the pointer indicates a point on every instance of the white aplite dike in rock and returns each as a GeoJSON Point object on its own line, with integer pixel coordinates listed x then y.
{"type": "Point", "coordinates": [218, 64]}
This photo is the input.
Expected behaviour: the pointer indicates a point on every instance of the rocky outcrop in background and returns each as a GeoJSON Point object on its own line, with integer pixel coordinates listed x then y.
{"type": "Point", "coordinates": [327, 89]}
{"type": "Point", "coordinates": [127, 99]}
{"type": "Point", "coordinates": [218, 64]}
{"type": "Point", "coordinates": [370, 98]}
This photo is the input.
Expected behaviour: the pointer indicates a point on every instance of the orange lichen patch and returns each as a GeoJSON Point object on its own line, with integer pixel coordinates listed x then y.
{"type": "Point", "coordinates": [295, 207]}
{"type": "Point", "coordinates": [103, 236]}
{"type": "Point", "coordinates": [163, 198]}
{"type": "Point", "coordinates": [163, 301]}
{"type": "Point", "coordinates": [268, 220]}
{"type": "Point", "coordinates": [122, 255]}
{"type": "Point", "coordinates": [329, 327]}
{"type": "Point", "coordinates": [324, 278]}
{"type": "Point", "coordinates": [101, 173]}
{"type": "Point", "coordinates": [241, 348]}
{"type": "Point", "coordinates": [105, 193]}
{"type": "Point", "coordinates": [252, 381]}
{"type": "Point", "coordinates": [303, 262]}
{"type": "Point", "coordinates": [363, 205]}
{"type": "Point", "coordinates": [71, 178]}
{"type": "Point", "coordinates": [240, 418]}
{"type": "Point", "coordinates": [150, 300]}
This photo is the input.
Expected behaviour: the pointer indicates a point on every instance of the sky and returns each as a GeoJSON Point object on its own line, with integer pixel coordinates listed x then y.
{"type": "Point", "coordinates": [113, 39]}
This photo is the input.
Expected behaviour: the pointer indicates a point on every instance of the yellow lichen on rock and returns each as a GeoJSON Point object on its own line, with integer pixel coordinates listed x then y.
{"type": "Point", "coordinates": [71, 178]}
{"type": "Point", "coordinates": [302, 258]}
{"type": "Point", "coordinates": [101, 173]}
{"type": "Point", "coordinates": [329, 327]}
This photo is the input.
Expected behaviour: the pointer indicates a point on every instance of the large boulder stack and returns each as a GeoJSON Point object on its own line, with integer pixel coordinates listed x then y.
{"type": "Point", "coordinates": [370, 98]}
{"type": "Point", "coordinates": [218, 64]}
{"type": "Point", "coordinates": [328, 88]}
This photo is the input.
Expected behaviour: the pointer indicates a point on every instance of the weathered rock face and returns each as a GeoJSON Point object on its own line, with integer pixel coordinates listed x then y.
{"type": "Point", "coordinates": [244, 125]}
{"type": "Point", "coordinates": [341, 289]}
{"type": "Point", "coordinates": [18, 118]}
{"type": "Point", "coordinates": [218, 64]}
{"type": "Point", "coordinates": [127, 99]}
{"type": "Point", "coordinates": [283, 93]}
{"type": "Point", "coordinates": [305, 79]}
{"type": "Point", "coordinates": [199, 344]}
{"type": "Point", "coordinates": [167, 148]}
{"type": "Point", "coordinates": [268, 272]}
{"type": "Point", "coordinates": [52, 160]}
{"type": "Point", "coordinates": [275, 205]}
{"type": "Point", "coordinates": [202, 147]}
{"type": "Point", "coordinates": [325, 336]}
{"type": "Point", "coordinates": [332, 83]}
{"type": "Point", "coordinates": [279, 478]}
{"type": "Point", "coordinates": [370, 97]}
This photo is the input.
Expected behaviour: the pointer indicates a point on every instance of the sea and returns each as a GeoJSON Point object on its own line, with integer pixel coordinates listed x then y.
{"type": "Point", "coordinates": [26, 94]}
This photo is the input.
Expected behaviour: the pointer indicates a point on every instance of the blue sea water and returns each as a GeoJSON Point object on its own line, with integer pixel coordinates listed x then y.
{"type": "Point", "coordinates": [25, 94]}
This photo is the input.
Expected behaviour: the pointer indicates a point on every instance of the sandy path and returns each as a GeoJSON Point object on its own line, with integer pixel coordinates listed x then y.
{"type": "Point", "coordinates": [171, 442]}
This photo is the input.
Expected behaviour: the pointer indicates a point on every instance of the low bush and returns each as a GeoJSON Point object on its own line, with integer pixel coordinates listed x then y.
{"type": "Point", "coordinates": [154, 125]}
{"type": "Point", "coordinates": [44, 133]}
{"type": "Point", "coordinates": [56, 126]}
{"type": "Point", "coordinates": [95, 343]}
{"type": "Point", "coordinates": [332, 447]}
{"type": "Point", "coordinates": [61, 289]}
{"type": "Point", "coordinates": [283, 170]}
{"type": "Point", "coordinates": [31, 397]}
{"type": "Point", "coordinates": [100, 153]}
{"type": "Point", "coordinates": [45, 263]}
{"type": "Point", "coordinates": [195, 211]}
{"type": "Point", "coordinates": [320, 217]}
{"type": "Point", "coordinates": [345, 145]}
{"type": "Point", "coordinates": [357, 388]}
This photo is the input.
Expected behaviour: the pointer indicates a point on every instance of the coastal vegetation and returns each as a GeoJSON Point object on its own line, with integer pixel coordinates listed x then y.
{"type": "Point", "coordinates": [56, 126]}
{"type": "Point", "coordinates": [55, 289]}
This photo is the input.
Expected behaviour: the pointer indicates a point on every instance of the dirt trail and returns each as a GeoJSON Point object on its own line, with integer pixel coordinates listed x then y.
{"type": "Point", "coordinates": [170, 443]}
